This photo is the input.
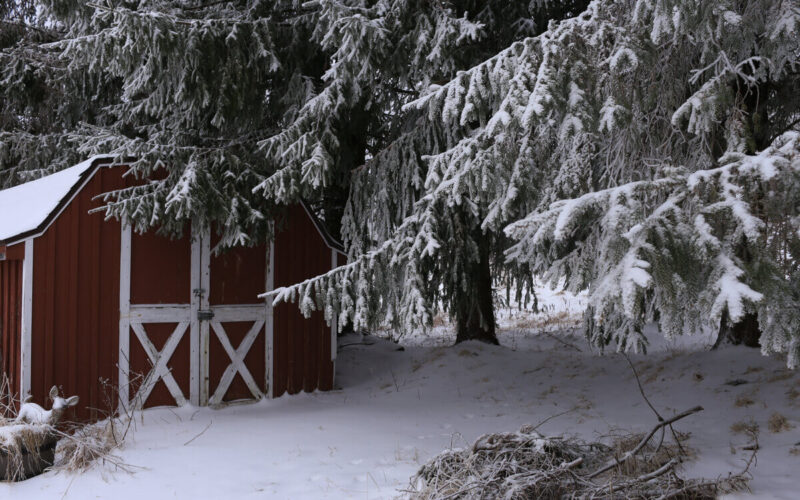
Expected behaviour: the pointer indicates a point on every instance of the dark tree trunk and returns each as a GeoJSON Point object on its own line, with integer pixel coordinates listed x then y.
{"type": "Point", "coordinates": [745, 332]}
{"type": "Point", "coordinates": [351, 155]}
{"type": "Point", "coordinates": [475, 314]}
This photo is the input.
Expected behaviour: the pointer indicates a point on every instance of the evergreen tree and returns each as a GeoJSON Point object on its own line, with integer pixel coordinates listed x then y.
{"type": "Point", "coordinates": [250, 105]}
{"type": "Point", "coordinates": [643, 149]}
{"type": "Point", "coordinates": [457, 277]}
{"type": "Point", "coordinates": [650, 144]}
{"type": "Point", "coordinates": [36, 99]}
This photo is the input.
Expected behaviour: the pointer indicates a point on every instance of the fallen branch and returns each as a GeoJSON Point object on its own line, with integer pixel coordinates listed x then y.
{"type": "Point", "coordinates": [618, 461]}
{"type": "Point", "coordinates": [526, 464]}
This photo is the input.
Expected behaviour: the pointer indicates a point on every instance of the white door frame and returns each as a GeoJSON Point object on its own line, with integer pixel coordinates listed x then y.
{"type": "Point", "coordinates": [26, 329]}
{"type": "Point", "coordinates": [199, 319]}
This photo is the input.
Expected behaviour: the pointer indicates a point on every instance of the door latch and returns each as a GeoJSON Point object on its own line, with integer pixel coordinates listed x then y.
{"type": "Point", "coordinates": [205, 314]}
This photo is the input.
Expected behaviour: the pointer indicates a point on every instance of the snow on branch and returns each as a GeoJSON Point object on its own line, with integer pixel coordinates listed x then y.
{"type": "Point", "coordinates": [626, 241]}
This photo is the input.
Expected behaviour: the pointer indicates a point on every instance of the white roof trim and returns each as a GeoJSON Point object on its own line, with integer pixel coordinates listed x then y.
{"type": "Point", "coordinates": [329, 240]}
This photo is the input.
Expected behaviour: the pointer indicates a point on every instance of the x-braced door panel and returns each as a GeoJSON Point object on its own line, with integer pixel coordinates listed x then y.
{"type": "Point", "coordinates": [159, 360]}
{"type": "Point", "coordinates": [155, 341]}
{"type": "Point", "coordinates": [237, 361]}
{"type": "Point", "coordinates": [175, 344]}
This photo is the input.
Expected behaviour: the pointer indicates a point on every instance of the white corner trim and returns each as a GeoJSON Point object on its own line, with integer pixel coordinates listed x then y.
{"type": "Point", "coordinates": [194, 322]}
{"type": "Point", "coordinates": [123, 362]}
{"type": "Point", "coordinates": [205, 284]}
{"type": "Point", "coordinates": [269, 326]}
{"type": "Point", "coordinates": [334, 320]}
{"type": "Point", "coordinates": [27, 320]}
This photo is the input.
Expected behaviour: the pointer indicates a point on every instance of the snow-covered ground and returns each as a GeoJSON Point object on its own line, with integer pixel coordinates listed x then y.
{"type": "Point", "coordinates": [397, 407]}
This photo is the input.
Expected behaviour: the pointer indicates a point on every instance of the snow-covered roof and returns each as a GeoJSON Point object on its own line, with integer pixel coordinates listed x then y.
{"type": "Point", "coordinates": [26, 210]}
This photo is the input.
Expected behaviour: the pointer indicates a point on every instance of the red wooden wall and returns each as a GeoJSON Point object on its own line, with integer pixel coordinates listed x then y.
{"type": "Point", "coordinates": [76, 302]}
{"type": "Point", "coordinates": [302, 347]}
{"type": "Point", "coordinates": [238, 275]}
{"type": "Point", "coordinates": [11, 319]}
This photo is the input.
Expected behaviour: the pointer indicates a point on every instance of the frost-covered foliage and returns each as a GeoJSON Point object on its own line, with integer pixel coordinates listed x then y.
{"type": "Point", "coordinates": [407, 272]}
{"type": "Point", "coordinates": [375, 49]}
{"type": "Point", "coordinates": [611, 129]}
{"type": "Point", "coordinates": [175, 86]}
{"type": "Point", "coordinates": [681, 248]}
{"type": "Point", "coordinates": [242, 105]}
{"type": "Point", "coordinates": [426, 128]}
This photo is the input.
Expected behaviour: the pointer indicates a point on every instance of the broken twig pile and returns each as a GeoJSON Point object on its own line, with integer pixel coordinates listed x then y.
{"type": "Point", "coordinates": [526, 464]}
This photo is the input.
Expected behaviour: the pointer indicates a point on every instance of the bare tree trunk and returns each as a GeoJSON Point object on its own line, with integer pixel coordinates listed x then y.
{"type": "Point", "coordinates": [475, 314]}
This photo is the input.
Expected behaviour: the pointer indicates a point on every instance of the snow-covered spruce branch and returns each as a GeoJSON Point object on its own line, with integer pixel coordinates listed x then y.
{"type": "Point", "coordinates": [550, 87]}
{"type": "Point", "coordinates": [208, 21]}
{"type": "Point", "coordinates": [559, 115]}
{"type": "Point", "coordinates": [674, 245]}
{"type": "Point", "coordinates": [356, 292]}
{"type": "Point", "coordinates": [362, 44]}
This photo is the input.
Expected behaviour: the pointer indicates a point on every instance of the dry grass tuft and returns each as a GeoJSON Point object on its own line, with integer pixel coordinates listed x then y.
{"type": "Point", "coordinates": [780, 375]}
{"type": "Point", "coordinates": [24, 450]}
{"type": "Point", "coordinates": [749, 427]}
{"type": "Point", "coordinates": [794, 451]}
{"type": "Point", "coordinates": [81, 447]}
{"type": "Point", "coordinates": [743, 401]}
{"type": "Point", "coordinates": [778, 423]}
{"type": "Point", "coordinates": [91, 444]}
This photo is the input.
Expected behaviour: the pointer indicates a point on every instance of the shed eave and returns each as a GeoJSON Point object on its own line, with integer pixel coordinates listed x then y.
{"type": "Point", "coordinates": [87, 175]}
{"type": "Point", "coordinates": [329, 240]}
{"type": "Point", "coordinates": [84, 178]}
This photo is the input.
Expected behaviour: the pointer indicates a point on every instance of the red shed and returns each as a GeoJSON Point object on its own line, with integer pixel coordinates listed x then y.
{"type": "Point", "coordinates": [85, 300]}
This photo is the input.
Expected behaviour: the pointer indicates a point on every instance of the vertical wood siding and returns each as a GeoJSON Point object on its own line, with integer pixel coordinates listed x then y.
{"type": "Point", "coordinates": [76, 305]}
{"type": "Point", "coordinates": [76, 301]}
{"type": "Point", "coordinates": [11, 320]}
{"type": "Point", "coordinates": [160, 269]}
{"type": "Point", "coordinates": [301, 346]}
{"type": "Point", "coordinates": [238, 276]}
{"type": "Point", "coordinates": [160, 274]}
